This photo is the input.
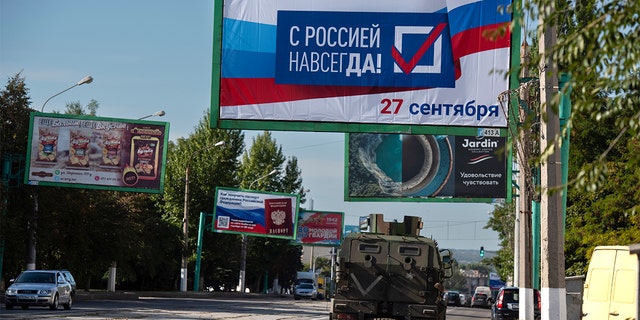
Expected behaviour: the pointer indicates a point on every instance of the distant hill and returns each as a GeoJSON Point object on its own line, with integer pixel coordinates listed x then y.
{"type": "Point", "coordinates": [466, 256]}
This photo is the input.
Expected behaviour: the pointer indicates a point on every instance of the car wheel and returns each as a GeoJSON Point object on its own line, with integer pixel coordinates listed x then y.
{"type": "Point", "coordinates": [67, 306]}
{"type": "Point", "coordinates": [8, 306]}
{"type": "Point", "coordinates": [54, 304]}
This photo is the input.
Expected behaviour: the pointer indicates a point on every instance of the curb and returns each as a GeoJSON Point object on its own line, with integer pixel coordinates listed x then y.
{"type": "Point", "coordinates": [131, 295]}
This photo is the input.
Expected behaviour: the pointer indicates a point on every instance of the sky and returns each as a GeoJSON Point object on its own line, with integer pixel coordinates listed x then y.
{"type": "Point", "coordinates": [151, 55]}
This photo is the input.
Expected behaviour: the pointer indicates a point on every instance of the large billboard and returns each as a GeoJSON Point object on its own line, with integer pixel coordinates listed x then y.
{"type": "Point", "coordinates": [361, 66]}
{"type": "Point", "coordinates": [394, 167]}
{"type": "Point", "coordinates": [320, 228]}
{"type": "Point", "coordinates": [255, 213]}
{"type": "Point", "coordinates": [98, 153]}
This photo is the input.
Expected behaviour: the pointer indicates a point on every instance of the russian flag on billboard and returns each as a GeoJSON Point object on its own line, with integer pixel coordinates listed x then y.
{"type": "Point", "coordinates": [335, 60]}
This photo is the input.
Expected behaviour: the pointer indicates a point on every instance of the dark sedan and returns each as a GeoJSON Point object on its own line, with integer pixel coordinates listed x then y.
{"type": "Point", "coordinates": [453, 298]}
{"type": "Point", "coordinates": [507, 304]}
{"type": "Point", "coordinates": [480, 300]}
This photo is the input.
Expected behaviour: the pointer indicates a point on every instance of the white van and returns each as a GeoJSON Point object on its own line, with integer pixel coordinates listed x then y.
{"type": "Point", "coordinates": [611, 285]}
{"type": "Point", "coordinates": [485, 290]}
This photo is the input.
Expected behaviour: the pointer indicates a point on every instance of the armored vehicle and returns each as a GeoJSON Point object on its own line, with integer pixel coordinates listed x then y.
{"type": "Point", "coordinates": [390, 272]}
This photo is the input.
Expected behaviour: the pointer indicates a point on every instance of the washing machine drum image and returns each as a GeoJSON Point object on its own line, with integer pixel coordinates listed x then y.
{"type": "Point", "coordinates": [423, 169]}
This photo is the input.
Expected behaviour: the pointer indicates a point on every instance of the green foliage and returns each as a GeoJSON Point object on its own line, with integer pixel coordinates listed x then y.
{"type": "Point", "coordinates": [16, 199]}
{"type": "Point", "coordinates": [598, 46]}
{"type": "Point", "coordinates": [77, 109]}
{"type": "Point", "coordinates": [268, 257]}
{"type": "Point", "coordinates": [209, 166]}
{"type": "Point", "coordinates": [457, 282]}
{"type": "Point", "coordinates": [14, 116]}
{"type": "Point", "coordinates": [503, 222]}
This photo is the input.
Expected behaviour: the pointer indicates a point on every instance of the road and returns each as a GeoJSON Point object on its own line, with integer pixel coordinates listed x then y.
{"type": "Point", "coordinates": [203, 307]}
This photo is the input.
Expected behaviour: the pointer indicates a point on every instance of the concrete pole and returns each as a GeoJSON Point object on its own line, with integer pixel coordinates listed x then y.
{"type": "Point", "coordinates": [243, 264]}
{"type": "Point", "coordinates": [525, 180]}
{"type": "Point", "coordinates": [32, 233]}
{"type": "Point", "coordinates": [111, 286]}
{"type": "Point", "coordinates": [553, 288]}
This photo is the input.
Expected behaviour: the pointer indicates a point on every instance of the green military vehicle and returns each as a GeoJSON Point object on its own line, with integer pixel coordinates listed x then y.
{"type": "Point", "coordinates": [390, 272]}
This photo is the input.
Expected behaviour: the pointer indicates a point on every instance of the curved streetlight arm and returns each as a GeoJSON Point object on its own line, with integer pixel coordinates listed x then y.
{"type": "Point", "coordinates": [155, 114]}
{"type": "Point", "coordinates": [274, 171]}
{"type": "Point", "coordinates": [87, 79]}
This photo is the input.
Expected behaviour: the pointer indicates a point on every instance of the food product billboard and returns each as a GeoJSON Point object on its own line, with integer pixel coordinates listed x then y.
{"type": "Point", "coordinates": [98, 153]}
{"type": "Point", "coordinates": [256, 213]}
{"type": "Point", "coordinates": [360, 66]}
{"type": "Point", "coordinates": [320, 228]}
{"type": "Point", "coordinates": [436, 168]}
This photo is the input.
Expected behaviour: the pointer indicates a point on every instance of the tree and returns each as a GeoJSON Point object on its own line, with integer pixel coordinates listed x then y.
{"type": "Point", "coordinates": [16, 204]}
{"type": "Point", "coordinates": [209, 167]}
{"type": "Point", "coordinates": [267, 257]}
{"type": "Point", "coordinates": [457, 281]}
{"type": "Point", "coordinates": [597, 46]}
{"type": "Point", "coordinates": [503, 221]}
{"type": "Point", "coordinates": [77, 109]}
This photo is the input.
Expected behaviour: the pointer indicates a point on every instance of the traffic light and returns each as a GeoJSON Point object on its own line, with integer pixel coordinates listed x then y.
{"type": "Point", "coordinates": [481, 251]}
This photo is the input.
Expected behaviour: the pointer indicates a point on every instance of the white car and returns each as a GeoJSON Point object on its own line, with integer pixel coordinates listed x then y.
{"type": "Point", "coordinates": [39, 288]}
{"type": "Point", "coordinates": [305, 291]}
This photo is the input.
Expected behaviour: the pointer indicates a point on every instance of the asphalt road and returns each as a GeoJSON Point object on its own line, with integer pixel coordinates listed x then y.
{"type": "Point", "coordinates": [184, 305]}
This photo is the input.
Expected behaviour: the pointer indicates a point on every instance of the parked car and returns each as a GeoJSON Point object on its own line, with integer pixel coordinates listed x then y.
{"type": "Point", "coordinates": [452, 298]}
{"type": "Point", "coordinates": [464, 300]}
{"type": "Point", "coordinates": [507, 304]}
{"type": "Point", "coordinates": [39, 288]}
{"type": "Point", "coordinates": [72, 281]}
{"type": "Point", "coordinates": [480, 300]}
{"type": "Point", "coordinates": [305, 291]}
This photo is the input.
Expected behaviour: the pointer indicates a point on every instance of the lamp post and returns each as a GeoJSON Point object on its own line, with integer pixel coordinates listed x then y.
{"type": "Point", "coordinates": [185, 219]}
{"type": "Point", "coordinates": [33, 219]}
{"type": "Point", "coordinates": [155, 114]}
{"type": "Point", "coordinates": [243, 250]}
{"type": "Point", "coordinates": [87, 79]}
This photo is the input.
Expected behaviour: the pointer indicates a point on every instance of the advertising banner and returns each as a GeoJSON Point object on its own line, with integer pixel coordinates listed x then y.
{"type": "Point", "coordinates": [404, 62]}
{"type": "Point", "coordinates": [426, 168]}
{"type": "Point", "coordinates": [320, 228]}
{"type": "Point", "coordinates": [255, 213]}
{"type": "Point", "coordinates": [98, 153]}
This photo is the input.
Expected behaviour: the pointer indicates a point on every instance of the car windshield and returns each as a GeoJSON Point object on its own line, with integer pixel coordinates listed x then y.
{"type": "Point", "coordinates": [305, 286]}
{"type": "Point", "coordinates": [36, 277]}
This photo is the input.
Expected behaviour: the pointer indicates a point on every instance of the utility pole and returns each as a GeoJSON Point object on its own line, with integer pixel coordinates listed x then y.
{"type": "Point", "coordinates": [553, 288]}
{"type": "Point", "coordinates": [525, 180]}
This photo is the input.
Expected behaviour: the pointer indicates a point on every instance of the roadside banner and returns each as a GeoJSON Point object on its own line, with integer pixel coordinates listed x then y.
{"type": "Point", "coordinates": [320, 228]}
{"type": "Point", "coordinates": [348, 62]}
{"type": "Point", "coordinates": [426, 168]}
{"type": "Point", "coordinates": [255, 213]}
{"type": "Point", "coordinates": [96, 153]}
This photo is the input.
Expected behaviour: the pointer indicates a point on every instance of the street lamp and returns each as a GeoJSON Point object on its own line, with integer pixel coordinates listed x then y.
{"type": "Point", "coordinates": [31, 242]}
{"type": "Point", "coordinates": [185, 219]}
{"type": "Point", "coordinates": [155, 114]}
{"type": "Point", "coordinates": [243, 251]}
{"type": "Point", "coordinates": [87, 79]}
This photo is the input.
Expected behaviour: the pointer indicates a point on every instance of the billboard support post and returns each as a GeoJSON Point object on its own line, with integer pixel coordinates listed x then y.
{"type": "Point", "coordinates": [185, 220]}
{"type": "Point", "coordinates": [201, 227]}
{"type": "Point", "coordinates": [243, 250]}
